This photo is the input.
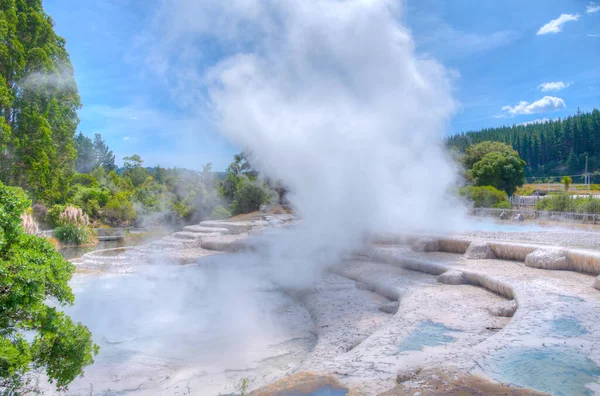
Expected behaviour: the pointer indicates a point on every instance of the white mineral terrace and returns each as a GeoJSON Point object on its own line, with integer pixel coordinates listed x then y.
{"type": "Point", "coordinates": [403, 315]}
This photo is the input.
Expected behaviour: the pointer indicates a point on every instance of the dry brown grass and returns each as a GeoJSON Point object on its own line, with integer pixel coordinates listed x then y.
{"type": "Point", "coordinates": [574, 189]}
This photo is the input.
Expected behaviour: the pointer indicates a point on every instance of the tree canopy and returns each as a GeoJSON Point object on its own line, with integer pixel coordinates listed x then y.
{"type": "Point", "coordinates": [34, 335]}
{"type": "Point", "coordinates": [550, 148]}
{"type": "Point", "coordinates": [38, 102]}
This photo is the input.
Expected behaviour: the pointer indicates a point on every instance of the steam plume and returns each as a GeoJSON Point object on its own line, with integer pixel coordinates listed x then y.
{"type": "Point", "coordinates": [330, 97]}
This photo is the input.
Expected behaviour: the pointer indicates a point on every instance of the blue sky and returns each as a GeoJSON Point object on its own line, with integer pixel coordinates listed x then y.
{"type": "Point", "coordinates": [513, 62]}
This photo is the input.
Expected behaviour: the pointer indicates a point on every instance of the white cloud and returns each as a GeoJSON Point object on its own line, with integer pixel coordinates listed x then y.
{"type": "Point", "coordinates": [592, 8]}
{"type": "Point", "coordinates": [555, 26]}
{"type": "Point", "coordinates": [546, 104]}
{"type": "Point", "coordinates": [126, 138]}
{"type": "Point", "coordinates": [553, 86]}
{"type": "Point", "coordinates": [593, 35]}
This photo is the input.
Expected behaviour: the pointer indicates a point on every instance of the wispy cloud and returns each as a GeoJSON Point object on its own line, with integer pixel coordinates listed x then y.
{"type": "Point", "coordinates": [555, 25]}
{"type": "Point", "coordinates": [593, 35]}
{"type": "Point", "coordinates": [442, 39]}
{"type": "Point", "coordinates": [554, 86]}
{"type": "Point", "coordinates": [592, 8]}
{"type": "Point", "coordinates": [544, 105]}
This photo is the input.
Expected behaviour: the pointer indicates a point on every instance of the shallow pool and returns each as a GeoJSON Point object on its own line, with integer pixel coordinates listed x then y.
{"type": "Point", "coordinates": [557, 370]}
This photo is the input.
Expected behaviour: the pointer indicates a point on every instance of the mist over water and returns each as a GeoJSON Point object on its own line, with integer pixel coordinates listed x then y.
{"type": "Point", "coordinates": [331, 98]}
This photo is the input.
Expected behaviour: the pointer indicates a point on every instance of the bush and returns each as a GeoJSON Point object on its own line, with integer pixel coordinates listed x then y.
{"type": "Point", "coordinates": [36, 336]}
{"type": "Point", "coordinates": [587, 205]}
{"type": "Point", "coordinates": [502, 205]}
{"type": "Point", "coordinates": [74, 227]}
{"type": "Point", "coordinates": [90, 199]}
{"type": "Point", "coordinates": [84, 180]}
{"type": "Point", "coordinates": [119, 210]}
{"type": "Point", "coordinates": [483, 196]}
{"type": "Point", "coordinates": [557, 203]}
{"type": "Point", "coordinates": [53, 216]}
{"type": "Point", "coordinates": [72, 234]}
{"type": "Point", "coordinates": [248, 198]}
{"type": "Point", "coordinates": [219, 213]}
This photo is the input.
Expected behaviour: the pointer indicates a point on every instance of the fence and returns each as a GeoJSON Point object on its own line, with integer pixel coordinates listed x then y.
{"type": "Point", "coordinates": [539, 215]}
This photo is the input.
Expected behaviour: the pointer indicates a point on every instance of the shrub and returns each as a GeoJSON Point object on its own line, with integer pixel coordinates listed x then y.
{"type": "Point", "coordinates": [557, 203]}
{"type": "Point", "coordinates": [502, 205]}
{"type": "Point", "coordinates": [90, 199]}
{"type": "Point", "coordinates": [588, 205]}
{"type": "Point", "coordinates": [84, 180]}
{"type": "Point", "coordinates": [53, 216]}
{"type": "Point", "coordinates": [483, 196]}
{"type": "Point", "coordinates": [248, 198]}
{"type": "Point", "coordinates": [119, 210]}
{"type": "Point", "coordinates": [35, 336]}
{"type": "Point", "coordinates": [566, 181]}
{"type": "Point", "coordinates": [72, 234]}
{"type": "Point", "coordinates": [219, 213]}
{"type": "Point", "coordinates": [74, 227]}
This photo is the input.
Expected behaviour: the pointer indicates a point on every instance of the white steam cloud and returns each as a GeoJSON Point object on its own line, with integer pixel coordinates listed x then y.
{"type": "Point", "coordinates": [330, 97]}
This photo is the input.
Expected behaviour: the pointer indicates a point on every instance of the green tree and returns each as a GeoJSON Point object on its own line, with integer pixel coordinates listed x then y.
{"type": "Point", "coordinates": [497, 169]}
{"type": "Point", "coordinates": [104, 157]}
{"type": "Point", "coordinates": [475, 153]}
{"type": "Point", "coordinates": [34, 335]}
{"type": "Point", "coordinates": [566, 181]}
{"type": "Point", "coordinates": [86, 154]}
{"type": "Point", "coordinates": [238, 172]}
{"type": "Point", "coordinates": [38, 102]}
{"type": "Point", "coordinates": [249, 198]}
{"type": "Point", "coordinates": [134, 170]}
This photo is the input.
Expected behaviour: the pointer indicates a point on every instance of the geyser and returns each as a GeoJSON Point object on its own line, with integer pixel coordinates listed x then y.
{"type": "Point", "coordinates": [331, 98]}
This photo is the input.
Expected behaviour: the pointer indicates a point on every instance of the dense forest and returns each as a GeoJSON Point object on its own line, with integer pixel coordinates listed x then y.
{"type": "Point", "coordinates": [552, 148]}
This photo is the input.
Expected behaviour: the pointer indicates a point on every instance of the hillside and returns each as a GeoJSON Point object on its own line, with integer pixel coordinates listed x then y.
{"type": "Point", "coordinates": [552, 148]}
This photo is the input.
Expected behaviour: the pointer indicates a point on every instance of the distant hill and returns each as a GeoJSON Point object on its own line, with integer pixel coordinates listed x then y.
{"type": "Point", "coordinates": [550, 148]}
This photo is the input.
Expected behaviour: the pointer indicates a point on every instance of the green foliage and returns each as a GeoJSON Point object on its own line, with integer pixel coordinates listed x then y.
{"type": "Point", "coordinates": [557, 203]}
{"type": "Point", "coordinates": [151, 196]}
{"type": "Point", "coordinates": [84, 180]}
{"type": "Point", "coordinates": [238, 172]}
{"type": "Point", "coordinates": [137, 176]}
{"type": "Point", "coordinates": [502, 205]}
{"type": "Point", "coordinates": [72, 234]}
{"type": "Point", "coordinates": [501, 170]}
{"type": "Point", "coordinates": [119, 210]}
{"type": "Point", "coordinates": [587, 205]}
{"type": "Point", "coordinates": [551, 148]}
{"type": "Point", "coordinates": [53, 216]}
{"type": "Point", "coordinates": [475, 153]}
{"type": "Point", "coordinates": [73, 227]}
{"type": "Point", "coordinates": [564, 202]}
{"type": "Point", "coordinates": [34, 335]}
{"type": "Point", "coordinates": [104, 157]}
{"type": "Point", "coordinates": [484, 196]}
{"type": "Point", "coordinates": [249, 198]}
{"type": "Point", "coordinates": [219, 213]}
{"type": "Point", "coordinates": [38, 103]}
{"type": "Point", "coordinates": [134, 170]}
{"type": "Point", "coordinates": [566, 181]}
{"type": "Point", "coordinates": [90, 199]}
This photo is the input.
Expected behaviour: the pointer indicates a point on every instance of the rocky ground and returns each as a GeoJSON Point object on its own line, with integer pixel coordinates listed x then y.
{"type": "Point", "coordinates": [477, 313]}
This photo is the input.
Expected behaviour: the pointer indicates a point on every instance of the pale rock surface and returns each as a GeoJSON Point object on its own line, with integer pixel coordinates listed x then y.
{"type": "Point", "coordinates": [479, 250]}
